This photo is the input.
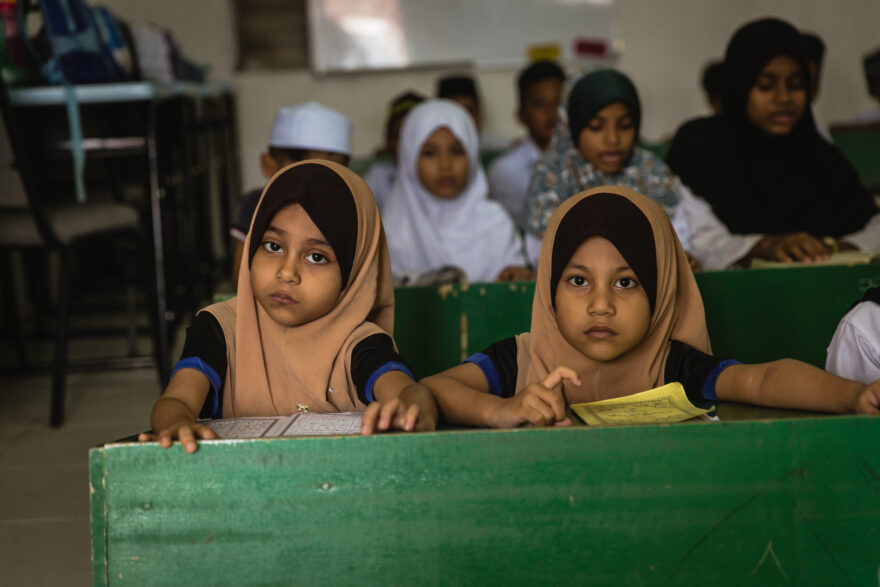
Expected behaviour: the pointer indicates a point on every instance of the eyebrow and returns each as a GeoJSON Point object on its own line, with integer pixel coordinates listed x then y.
{"type": "Point", "coordinates": [311, 241]}
{"type": "Point", "coordinates": [585, 268]}
{"type": "Point", "coordinates": [275, 229]}
{"type": "Point", "coordinates": [774, 75]}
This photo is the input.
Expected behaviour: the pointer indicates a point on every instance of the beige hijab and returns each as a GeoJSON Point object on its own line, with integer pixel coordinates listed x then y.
{"type": "Point", "coordinates": [274, 369]}
{"type": "Point", "coordinates": [677, 307]}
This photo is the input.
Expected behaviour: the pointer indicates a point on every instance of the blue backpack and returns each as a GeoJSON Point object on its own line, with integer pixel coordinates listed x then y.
{"type": "Point", "coordinates": [79, 54]}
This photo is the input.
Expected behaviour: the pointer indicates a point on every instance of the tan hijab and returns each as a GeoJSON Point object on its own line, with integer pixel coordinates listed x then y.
{"type": "Point", "coordinates": [619, 215]}
{"type": "Point", "coordinates": [274, 369]}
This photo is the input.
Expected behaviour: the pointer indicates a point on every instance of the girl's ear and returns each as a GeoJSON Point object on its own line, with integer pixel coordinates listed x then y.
{"type": "Point", "coordinates": [268, 165]}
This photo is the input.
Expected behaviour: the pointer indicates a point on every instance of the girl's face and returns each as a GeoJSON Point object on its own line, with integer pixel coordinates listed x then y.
{"type": "Point", "coordinates": [294, 273]}
{"type": "Point", "coordinates": [608, 139]}
{"type": "Point", "coordinates": [601, 308]}
{"type": "Point", "coordinates": [443, 165]}
{"type": "Point", "coordinates": [778, 97]}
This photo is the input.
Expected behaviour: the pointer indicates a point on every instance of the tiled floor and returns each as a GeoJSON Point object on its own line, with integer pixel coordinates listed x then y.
{"type": "Point", "coordinates": [44, 485]}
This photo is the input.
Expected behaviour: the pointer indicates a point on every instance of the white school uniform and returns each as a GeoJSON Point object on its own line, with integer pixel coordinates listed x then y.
{"type": "Point", "coordinates": [854, 352]}
{"type": "Point", "coordinates": [509, 176]}
{"type": "Point", "coordinates": [424, 232]}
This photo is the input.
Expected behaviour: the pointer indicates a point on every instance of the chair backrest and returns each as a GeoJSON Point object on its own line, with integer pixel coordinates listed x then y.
{"type": "Point", "coordinates": [15, 163]}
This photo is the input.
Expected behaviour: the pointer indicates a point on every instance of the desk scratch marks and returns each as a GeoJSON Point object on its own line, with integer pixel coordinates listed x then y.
{"type": "Point", "coordinates": [712, 530]}
{"type": "Point", "coordinates": [827, 551]}
{"type": "Point", "coordinates": [869, 475]}
{"type": "Point", "coordinates": [795, 472]}
{"type": "Point", "coordinates": [769, 551]}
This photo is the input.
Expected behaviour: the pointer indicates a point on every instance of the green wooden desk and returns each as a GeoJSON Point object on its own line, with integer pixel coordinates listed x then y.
{"type": "Point", "coordinates": [861, 145]}
{"type": "Point", "coordinates": [765, 497]}
{"type": "Point", "coordinates": [754, 316]}
{"type": "Point", "coordinates": [770, 502]}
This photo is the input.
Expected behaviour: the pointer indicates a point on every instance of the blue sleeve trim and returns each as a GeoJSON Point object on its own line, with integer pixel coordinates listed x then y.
{"type": "Point", "coordinates": [212, 408]}
{"type": "Point", "coordinates": [389, 366]}
{"type": "Point", "coordinates": [709, 385]}
{"type": "Point", "coordinates": [486, 365]}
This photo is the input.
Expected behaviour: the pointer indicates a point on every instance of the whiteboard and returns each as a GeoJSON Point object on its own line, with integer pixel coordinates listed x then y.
{"type": "Point", "coordinates": [357, 35]}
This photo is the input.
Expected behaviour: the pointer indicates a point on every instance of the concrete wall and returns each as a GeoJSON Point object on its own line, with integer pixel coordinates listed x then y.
{"type": "Point", "coordinates": [667, 43]}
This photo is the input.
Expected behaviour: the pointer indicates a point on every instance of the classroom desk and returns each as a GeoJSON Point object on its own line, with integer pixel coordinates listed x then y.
{"type": "Point", "coordinates": [757, 502]}
{"type": "Point", "coordinates": [150, 96]}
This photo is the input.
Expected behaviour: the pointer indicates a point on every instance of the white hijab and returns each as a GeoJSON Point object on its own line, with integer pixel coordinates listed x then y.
{"type": "Point", "coordinates": [425, 232]}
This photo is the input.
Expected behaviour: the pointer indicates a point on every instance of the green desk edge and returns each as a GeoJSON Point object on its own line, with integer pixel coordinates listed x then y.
{"type": "Point", "coordinates": [731, 503]}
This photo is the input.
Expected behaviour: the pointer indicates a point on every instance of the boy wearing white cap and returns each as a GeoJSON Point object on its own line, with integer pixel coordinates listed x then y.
{"type": "Point", "coordinates": [303, 131]}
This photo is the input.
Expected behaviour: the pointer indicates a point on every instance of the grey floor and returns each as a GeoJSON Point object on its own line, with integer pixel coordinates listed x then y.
{"type": "Point", "coordinates": [44, 484]}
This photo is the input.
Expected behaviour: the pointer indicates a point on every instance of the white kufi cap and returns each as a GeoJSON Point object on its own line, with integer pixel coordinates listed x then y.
{"type": "Point", "coordinates": [311, 126]}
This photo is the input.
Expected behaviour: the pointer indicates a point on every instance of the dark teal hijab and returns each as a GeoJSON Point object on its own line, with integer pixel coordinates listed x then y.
{"type": "Point", "coordinates": [595, 91]}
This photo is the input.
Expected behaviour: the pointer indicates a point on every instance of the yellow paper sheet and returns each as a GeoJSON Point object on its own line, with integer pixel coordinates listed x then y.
{"type": "Point", "coordinates": [661, 405]}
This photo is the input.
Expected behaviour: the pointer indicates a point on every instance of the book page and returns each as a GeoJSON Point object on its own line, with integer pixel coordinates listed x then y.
{"type": "Point", "coordinates": [301, 424]}
{"type": "Point", "coordinates": [838, 258]}
{"type": "Point", "coordinates": [243, 427]}
{"type": "Point", "coordinates": [311, 424]}
{"type": "Point", "coordinates": [661, 405]}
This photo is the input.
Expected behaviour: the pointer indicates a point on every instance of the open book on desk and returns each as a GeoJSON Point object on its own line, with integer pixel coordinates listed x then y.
{"type": "Point", "coordinates": [300, 424]}
{"type": "Point", "coordinates": [662, 405]}
{"type": "Point", "coordinates": [838, 258]}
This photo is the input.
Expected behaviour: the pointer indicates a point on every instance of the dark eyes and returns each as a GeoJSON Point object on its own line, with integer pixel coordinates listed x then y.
{"type": "Point", "coordinates": [622, 283]}
{"type": "Point", "coordinates": [314, 258]}
{"type": "Point", "coordinates": [457, 151]}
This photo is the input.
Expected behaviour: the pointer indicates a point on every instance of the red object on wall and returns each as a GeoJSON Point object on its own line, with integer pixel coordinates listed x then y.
{"type": "Point", "coordinates": [591, 47]}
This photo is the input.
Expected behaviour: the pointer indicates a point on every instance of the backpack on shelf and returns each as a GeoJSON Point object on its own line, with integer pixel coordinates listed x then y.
{"type": "Point", "coordinates": [77, 52]}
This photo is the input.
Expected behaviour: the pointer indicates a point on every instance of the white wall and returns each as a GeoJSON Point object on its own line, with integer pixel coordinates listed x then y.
{"type": "Point", "coordinates": [667, 43]}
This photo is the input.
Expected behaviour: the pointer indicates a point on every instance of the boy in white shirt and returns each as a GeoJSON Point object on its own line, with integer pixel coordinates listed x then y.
{"type": "Point", "coordinates": [540, 89]}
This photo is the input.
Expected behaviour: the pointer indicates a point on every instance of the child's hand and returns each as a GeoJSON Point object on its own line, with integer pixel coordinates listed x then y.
{"type": "Point", "coordinates": [799, 246]}
{"type": "Point", "coordinates": [413, 410]}
{"type": "Point", "coordinates": [515, 273]}
{"type": "Point", "coordinates": [868, 401]}
{"type": "Point", "coordinates": [539, 404]}
{"type": "Point", "coordinates": [185, 432]}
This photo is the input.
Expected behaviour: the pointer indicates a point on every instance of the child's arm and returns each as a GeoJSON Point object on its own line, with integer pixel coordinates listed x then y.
{"type": "Point", "coordinates": [792, 384]}
{"type": "Point", "coordinates": [175, 414]}
{"type": "Point", "coordinates": [401, 403]}
{"type": "Point", "coordinates": [462, 393]}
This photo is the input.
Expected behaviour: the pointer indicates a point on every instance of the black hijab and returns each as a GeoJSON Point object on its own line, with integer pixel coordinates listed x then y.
{"type": "Point", "coordinates": [757, 183]}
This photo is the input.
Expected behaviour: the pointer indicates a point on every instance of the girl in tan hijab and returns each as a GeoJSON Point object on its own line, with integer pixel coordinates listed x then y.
{"type": "Point", "coordinates": [617, 311]}
{"type": "Point", "coordinates": [310, 329]}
